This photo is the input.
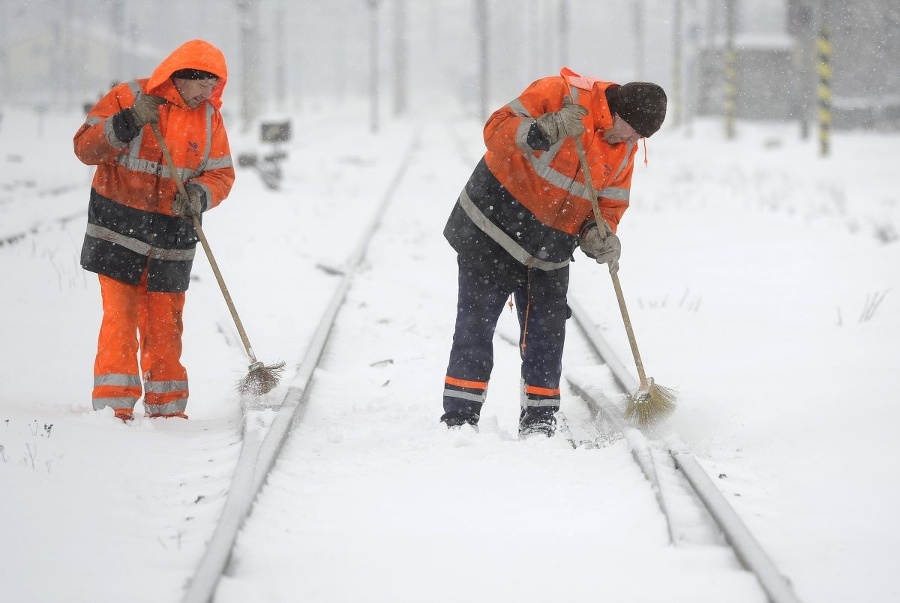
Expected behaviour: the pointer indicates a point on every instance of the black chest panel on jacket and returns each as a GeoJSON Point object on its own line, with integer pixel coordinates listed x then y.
{"type": "Point", "coordinates": [122, 241]}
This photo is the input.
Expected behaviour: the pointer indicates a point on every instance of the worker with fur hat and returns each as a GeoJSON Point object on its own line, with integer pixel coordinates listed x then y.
{"type": "Point", "coordinates": [140, 237]}
{"type": "Point", "coordinates": [519, 218]}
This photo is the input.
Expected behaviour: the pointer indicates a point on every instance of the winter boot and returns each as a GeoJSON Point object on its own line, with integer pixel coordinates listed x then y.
{"type": "Point", "coordinates": [456, 418]}
{"type": "Point", "coordinates": [174, 415]}
{"type": "Point", "coordinates": [125, 414]}
{"type": "Point", "coordinates": [538, 419]}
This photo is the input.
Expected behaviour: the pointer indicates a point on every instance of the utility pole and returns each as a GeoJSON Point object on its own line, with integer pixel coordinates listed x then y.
{"type": "Point", "coordinates": [800, 22]}
{"type": "Point", "coordinates": [678, 62]}
{"type": "Point", "coordinates": [434, 35]}
{"type": "Point", "coordinates": [280, 54]}
{"type": "Point", "coordinates": [691, 72]}
{"type": "Point", "coordinates": [340, 61]}
{"type": "Point", "coordinates": [400, 86]}
{"type": "Point", "coordinates": [118, 51]}
{"type": "Point", "coordinates": [823, 45]}
{"type": "Point", "coordinates": [564, 32]}
{"type": "Point", "coordinates": [730, 71]}
{"type": "Point", "coordinates": [482, 26]}
{"type": "Point", "coordinates": [4, 55]}
{"type": "Point", "coordinates": [249, 53]}
{"type": "Point", "coordinates": [67, 72]}
{"type": "Point", "coordinates": [534, 38]}
{"type": "Point", "coordinates": [373, 65]}
{"type": "Point", "coordinates": [638, 17]}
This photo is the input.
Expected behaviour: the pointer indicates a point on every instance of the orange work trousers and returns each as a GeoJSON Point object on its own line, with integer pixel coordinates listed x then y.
{"type": "Point", "coordinates": [141, 331]}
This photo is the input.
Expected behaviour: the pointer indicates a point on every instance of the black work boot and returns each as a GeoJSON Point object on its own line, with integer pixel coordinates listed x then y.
{"type": "Point", "coordinates": [456, 418]}
{"type": "Point", "coordinates": [538, 419]}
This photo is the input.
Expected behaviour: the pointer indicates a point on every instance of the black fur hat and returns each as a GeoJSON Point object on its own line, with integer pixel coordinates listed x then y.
{"type": "Point", "coordinates": [194, 74]}
{"type": "Point", "coordinates": [641, 104]}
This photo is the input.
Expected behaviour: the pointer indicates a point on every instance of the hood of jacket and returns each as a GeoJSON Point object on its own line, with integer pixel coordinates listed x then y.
{"type": "Point", "coordinates": [602, 116]}
{"type": "Point", "coordinates": [195, 54]}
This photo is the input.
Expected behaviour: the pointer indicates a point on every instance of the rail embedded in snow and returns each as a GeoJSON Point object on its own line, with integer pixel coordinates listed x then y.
{"type": "Point", "coordinates": [674, 475]}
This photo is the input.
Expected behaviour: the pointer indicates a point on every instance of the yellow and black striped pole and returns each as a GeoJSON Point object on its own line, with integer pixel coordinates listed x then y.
{"type": "Point", "coordinates": [823, 46]}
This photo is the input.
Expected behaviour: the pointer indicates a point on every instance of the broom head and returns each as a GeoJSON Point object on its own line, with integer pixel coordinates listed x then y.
{"type": "Point", "coordinates": [261, 378]}
{"type": "Point", "coordinates": [650, 404]}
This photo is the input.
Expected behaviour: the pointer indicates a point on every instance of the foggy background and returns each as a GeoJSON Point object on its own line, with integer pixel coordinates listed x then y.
{"type": "Point", "coordinates": [399, 56]}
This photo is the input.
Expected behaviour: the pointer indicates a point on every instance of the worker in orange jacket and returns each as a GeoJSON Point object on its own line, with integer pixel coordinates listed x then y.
{"type": "Point", "coordinates": [519, 218]}
{"type": "Point", "coordinates": [140, 239]}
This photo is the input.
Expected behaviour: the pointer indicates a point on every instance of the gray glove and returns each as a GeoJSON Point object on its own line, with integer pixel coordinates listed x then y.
{"type": "Point", "coordinates": [565, 122]}
{"type": "Point", "coordinates": [146, 109]}
{"type": "Point", "coordinates": [601, 245]}
{"type": "Point", "coordinates": [190, 206]}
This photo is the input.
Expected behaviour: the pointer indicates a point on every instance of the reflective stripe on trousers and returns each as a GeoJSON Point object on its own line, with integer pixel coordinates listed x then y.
{"type": "Point", "coordinates": [480, 302]}
{"type": "Point", "coordinates": [140, 332]}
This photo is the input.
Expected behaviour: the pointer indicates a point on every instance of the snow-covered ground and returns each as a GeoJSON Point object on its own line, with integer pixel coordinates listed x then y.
{"type": "Point", "coordinates": [760, 279]}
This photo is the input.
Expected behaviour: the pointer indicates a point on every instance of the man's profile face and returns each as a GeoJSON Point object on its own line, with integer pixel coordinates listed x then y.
{"type": "Point", "coordinates": [620, 132]}
{"type": "Point", "coordinates": [194, 92]}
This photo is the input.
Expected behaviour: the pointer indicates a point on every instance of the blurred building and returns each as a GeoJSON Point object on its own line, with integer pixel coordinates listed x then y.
{"type": "Point", "coordinates": [776, 60]}
{"type": "Point", "coordinates": [866, 64]}
{"type": "Point", "coordinates": [61, 68]}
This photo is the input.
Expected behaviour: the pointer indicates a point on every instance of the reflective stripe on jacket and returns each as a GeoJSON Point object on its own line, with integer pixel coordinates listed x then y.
{"type": "Point", "coordinates": [121, 242]}
{"type": "Point", "coordinates": [533, 203]}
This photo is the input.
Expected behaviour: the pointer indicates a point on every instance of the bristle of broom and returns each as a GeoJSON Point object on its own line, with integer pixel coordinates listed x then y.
{"type": "Point", "coordinates": [261, 379]}
{"type": "Point", "coordinates": [644, 408]}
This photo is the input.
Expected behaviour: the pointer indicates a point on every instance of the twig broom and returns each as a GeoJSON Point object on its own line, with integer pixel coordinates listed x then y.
{"type": "Point", "coordinates": [260, 378]}
{"type": "Point", "coordinates": [651, 402]}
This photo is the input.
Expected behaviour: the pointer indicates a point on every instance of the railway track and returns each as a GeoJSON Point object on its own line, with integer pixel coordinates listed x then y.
{"type": "Point", "coordinates": [684, 473]}
{"type": "Point", "coordinates": [52, 213]}
{"type": "Point", "coordinates": [286, 450]}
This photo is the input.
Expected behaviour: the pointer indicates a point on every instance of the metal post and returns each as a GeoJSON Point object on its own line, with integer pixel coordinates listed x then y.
{"type": "Point", "coordinates": [692, 78]}
{"type": "Point", "coordinates": [823, 45]}
{"type": "Point", "coordinates": [247, 12]}
{"type": "Point", "coordinates": [482, 25]}
{"type": "Point", "coordinates": [677, 63]}
{"type": "Point", "coordinates": [800, 21]}
{"type": "Point", "coordinates": [5, 64]}
{"type": "Point", "coordinates": [533, 36]}
{"type": "Point", "coordinates": [638, 17]}
{"type": "Point", "coordinates": [280, 55]}
{"type": "Point", "coordinates": [400, 57]}
{"type": "Point", "coordinates": [564, 28]}
{"type": "Point", "coordinates": [69, 73]}
{"type": "Point", "coordinates": [730, 71]}
{"type": "Point", "coordinates": [340, 57]}
{"type": "Point", "coordinates": [118, 19]}
{"type": "Point", "coordinates": [373, 65]}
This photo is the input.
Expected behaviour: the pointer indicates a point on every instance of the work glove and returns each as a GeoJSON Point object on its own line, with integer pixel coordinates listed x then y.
{"type": "Point", "coordinates": [565, 122]}
{"type": "Point", "coordinates": [601, 245]}
{"type": "Point", "coordinates": [146, 109]}
{"type": "Point", "coordinates": [190, 205]}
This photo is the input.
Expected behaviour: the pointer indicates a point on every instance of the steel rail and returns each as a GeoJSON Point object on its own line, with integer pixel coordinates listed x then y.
{"type": "Point", "coordinates": [265, 433]}
{"type": "Point", "coordinates": [747, 549]}
{"type": "Point", "coordinates": [9, 239]}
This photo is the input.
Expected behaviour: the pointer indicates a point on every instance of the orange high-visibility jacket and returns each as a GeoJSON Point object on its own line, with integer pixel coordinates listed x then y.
{"type": "Point", "coordinates": [532, 202]}
{"type": "Point", "coordinates": [130, 224]}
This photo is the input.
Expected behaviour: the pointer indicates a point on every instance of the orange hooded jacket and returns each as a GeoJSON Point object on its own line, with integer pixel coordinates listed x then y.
{"type": "Point", "coordinates": [131, 226]}
{"type": "Point", "coordinates": [514, 175]}
{"type": "Point", "coordinates": [550, 183]}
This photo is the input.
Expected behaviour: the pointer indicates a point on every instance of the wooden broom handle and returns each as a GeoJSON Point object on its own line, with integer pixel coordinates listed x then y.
{"type": "Point", "coordinates": [209, 254]}
{"type": "Point", "coordinates": [601, 223]}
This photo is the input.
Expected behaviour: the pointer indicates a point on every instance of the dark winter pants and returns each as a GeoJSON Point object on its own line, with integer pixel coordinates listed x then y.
{"type": "Point", "coordinates": [541, 307]}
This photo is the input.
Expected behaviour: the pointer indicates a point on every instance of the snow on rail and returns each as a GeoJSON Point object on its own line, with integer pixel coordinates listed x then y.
{"type": "Point", "coordinates": [747, 549]}
{"type": "Point", "coordinates": [265, 431]}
